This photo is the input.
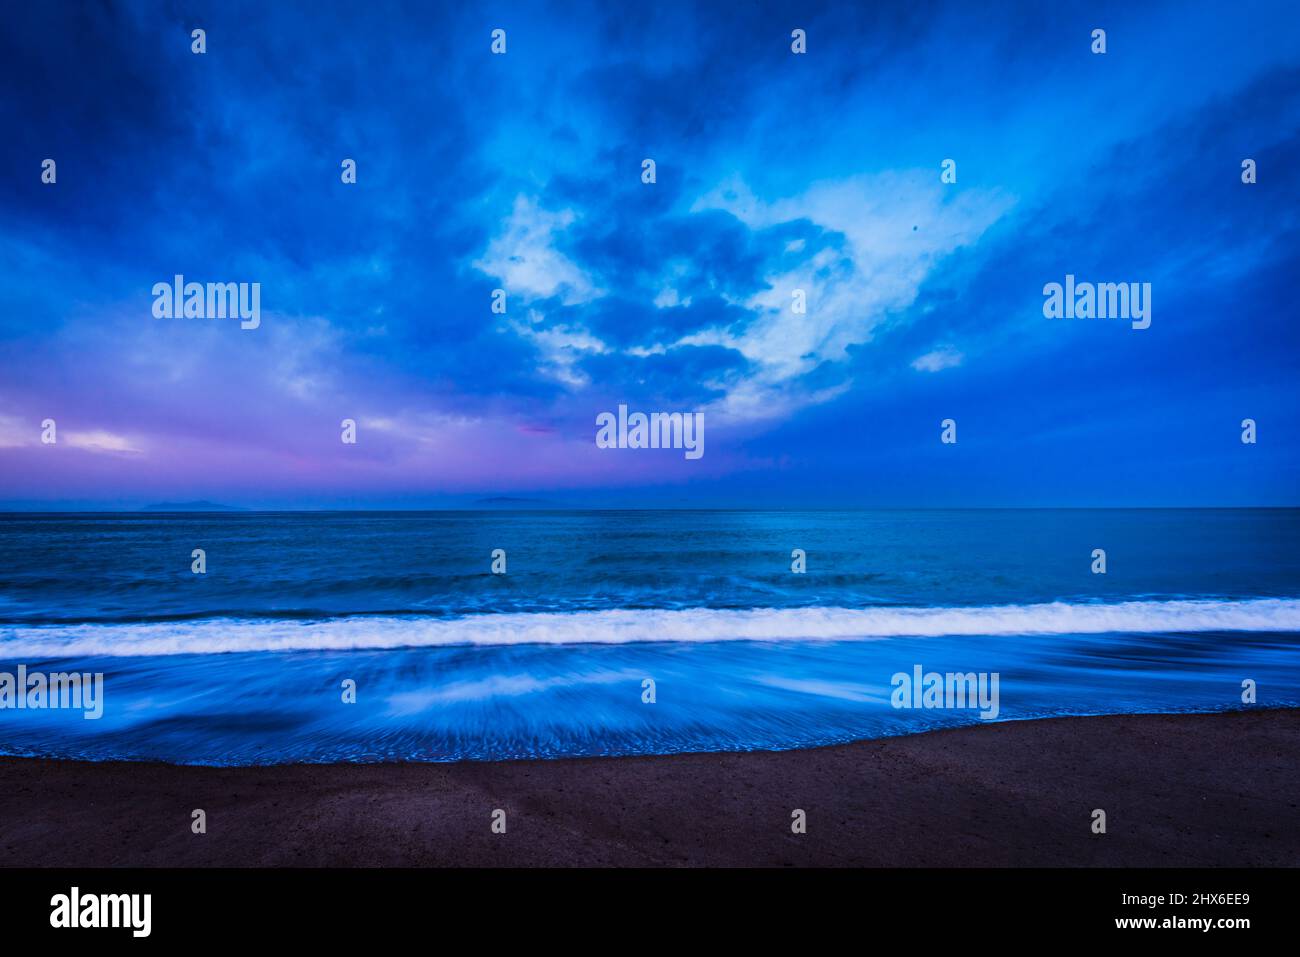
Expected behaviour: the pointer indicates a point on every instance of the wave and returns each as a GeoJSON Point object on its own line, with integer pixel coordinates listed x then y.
{"type": "Point", "coordinates": [622, 626]}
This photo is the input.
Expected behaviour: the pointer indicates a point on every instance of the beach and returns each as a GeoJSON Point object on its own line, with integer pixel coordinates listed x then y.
{"type": "Point", "coordinates": [332, 691]}
{"type": "Point", "coordinates": [1214, 790]}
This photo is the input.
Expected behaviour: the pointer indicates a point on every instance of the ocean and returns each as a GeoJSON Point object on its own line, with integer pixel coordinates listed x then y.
{"type": "Point", "coordinates": [600, 611]}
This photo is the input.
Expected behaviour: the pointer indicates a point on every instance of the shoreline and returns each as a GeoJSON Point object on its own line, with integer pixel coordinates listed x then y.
{"type": "Point", "coordinates": [1218, 790]}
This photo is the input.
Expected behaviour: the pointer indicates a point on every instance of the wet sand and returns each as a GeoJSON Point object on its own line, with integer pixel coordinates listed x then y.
{"type": "Point", "coordinates": [1178, 790]}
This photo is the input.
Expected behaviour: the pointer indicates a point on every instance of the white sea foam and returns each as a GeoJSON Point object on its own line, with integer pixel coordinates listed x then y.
{"type": "Point", "coordinates": [621, 626]}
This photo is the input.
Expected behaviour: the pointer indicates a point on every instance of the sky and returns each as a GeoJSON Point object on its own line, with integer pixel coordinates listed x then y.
{"type": "Point", "coordinates": [774, 172]}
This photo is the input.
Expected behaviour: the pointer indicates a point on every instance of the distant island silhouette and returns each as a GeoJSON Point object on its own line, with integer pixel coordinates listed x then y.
{"type": "Point", "coordinates": [508, 502]}
{"type": "Point", "coordinates": [190, 507]}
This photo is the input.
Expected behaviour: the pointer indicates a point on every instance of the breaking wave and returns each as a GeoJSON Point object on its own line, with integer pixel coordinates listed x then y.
{"type": "Point", "coordinates": [624, 626]}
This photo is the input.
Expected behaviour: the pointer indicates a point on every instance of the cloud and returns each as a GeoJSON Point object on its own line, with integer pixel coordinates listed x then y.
{"type": "Point", "coordinates": [15, 432]}
{"type": "Point", "coordinates": [672, 296]}
{"type": "Point", "coordinates": [560, 347]}
{"type": "Point", "coordinates": [890, 232]}
{"type": "Point", "coordinates": [945, 357]}
{"type": "Point", "coordinates": [524, 258]}
{"type": "Point", "coordinates": [100, 441]}
{"type": "Point", "coordinates": [669, 297]}
{"type": "Point", "coordinates": [720, 276]}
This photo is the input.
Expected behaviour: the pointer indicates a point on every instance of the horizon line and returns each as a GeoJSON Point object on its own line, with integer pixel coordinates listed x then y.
{"type": "Point", "coordinates": [242, 510]}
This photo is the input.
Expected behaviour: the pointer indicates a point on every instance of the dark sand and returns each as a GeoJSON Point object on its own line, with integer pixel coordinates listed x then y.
{"type": "Point", "coordinates": [1193, 790]}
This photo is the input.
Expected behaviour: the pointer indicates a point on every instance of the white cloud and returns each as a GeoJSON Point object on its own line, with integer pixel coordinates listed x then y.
{"type": "Point", "coordinates": [945, 357]}
{"type": "Point", "coordinates": [524, 259]}
{"type": "Point", "coordinates": [15, 432]}
{"type": "Point", "coordinates": [98, 440]}
{"type": "Point", "coordinates": [561, 347]}
{"type": "Point", "coordinates": [850, 290]}
{"type": "Point", "coordinates": [891, 231]}
{"type": "Point", "coordinates": [669, 297]}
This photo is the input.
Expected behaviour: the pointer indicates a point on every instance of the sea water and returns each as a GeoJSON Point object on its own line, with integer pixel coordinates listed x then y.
{"type": "Point", "coordinates": [627, 632]}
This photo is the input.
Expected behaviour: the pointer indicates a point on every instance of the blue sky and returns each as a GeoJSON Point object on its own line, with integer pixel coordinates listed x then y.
{"type": "Point", "coordinates": [775, 171]}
